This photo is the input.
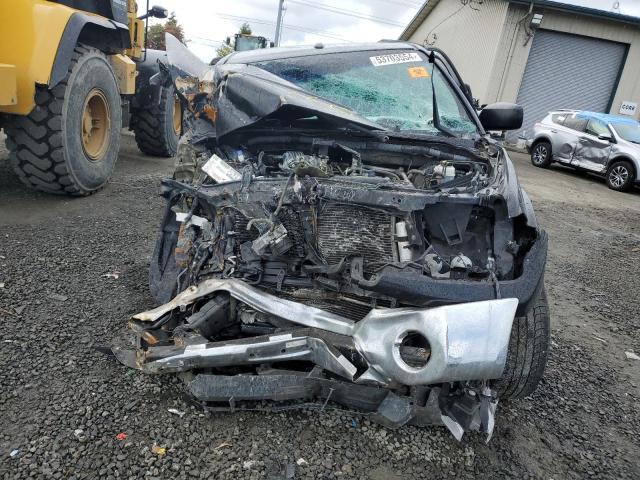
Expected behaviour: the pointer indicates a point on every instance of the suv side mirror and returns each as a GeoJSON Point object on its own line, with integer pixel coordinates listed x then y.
{"type": "Point", "coordinates": [502, 116]}
{"type": "Point", "coordinates": [155, 12]}
{"type": "Point", "coordinates": [605, 138]}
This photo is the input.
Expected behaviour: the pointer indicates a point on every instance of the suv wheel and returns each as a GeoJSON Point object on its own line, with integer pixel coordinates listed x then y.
{"type": "Point", "coordinates": [620, 176]}
{"type": "Point", "coordinates": [541, 154]}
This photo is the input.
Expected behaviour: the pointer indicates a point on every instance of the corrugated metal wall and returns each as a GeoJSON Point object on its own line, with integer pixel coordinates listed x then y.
{"type": "Point", "coordinates": [469, 34]}
{"type": "Point", "coordinates": [568, 71]}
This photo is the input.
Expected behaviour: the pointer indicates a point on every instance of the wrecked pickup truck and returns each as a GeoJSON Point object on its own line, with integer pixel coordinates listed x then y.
{"type": "Point", "coordinates": [341, 232]}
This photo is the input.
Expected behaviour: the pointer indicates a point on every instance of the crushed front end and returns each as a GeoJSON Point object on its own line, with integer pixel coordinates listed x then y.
{"type": "Point", "coordinates": [336, 266]}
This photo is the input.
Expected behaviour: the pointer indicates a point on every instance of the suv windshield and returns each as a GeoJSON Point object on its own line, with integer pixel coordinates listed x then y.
{"type": "Point", "coordinates": [393, 90]}
{"type": "Point", "coordinates": [628, 131]}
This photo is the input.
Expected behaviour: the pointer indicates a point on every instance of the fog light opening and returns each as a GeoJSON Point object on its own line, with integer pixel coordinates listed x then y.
{"type": "Point", "coordinates": [415, 350]}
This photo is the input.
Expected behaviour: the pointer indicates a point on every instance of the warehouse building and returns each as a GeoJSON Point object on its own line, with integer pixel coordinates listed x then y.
{"type": "Point", "coordinates": [544, 55]}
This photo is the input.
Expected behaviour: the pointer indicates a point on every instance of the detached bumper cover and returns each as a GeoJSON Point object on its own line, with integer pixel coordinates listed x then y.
{"type": "Point", "coordinates": [467, 341]}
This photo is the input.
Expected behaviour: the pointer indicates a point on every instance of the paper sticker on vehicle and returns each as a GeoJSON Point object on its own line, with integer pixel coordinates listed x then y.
{"type": "Point", "coordinates": [395, 58]}
{"type": "Point", "coordinates": [418, 72]}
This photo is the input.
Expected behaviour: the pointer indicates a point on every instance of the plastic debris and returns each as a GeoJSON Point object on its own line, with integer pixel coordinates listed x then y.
{"type": "Point", "coordinates": [14, 453]}
{"type": "Point", "coordinates": [248, 465]}
{"type": "Point", "coordinates": [121, 436]}
{"type": "Point", "coordinates": [302, 462]}
{"type": "Point", "coordinates": [1, 284]}
{"type": "Point", "coordinates": [160, 451]}
{"type": "Point", "coordinates": [632, 356]}
{"type": "Point", "coordinates": [177, 412]}
{"type": "Point", "coordinates": [78, 433]}
{"type": "Point", "coordinates": [114, 275]}
{"type": "Point", "coordinates": [223, 445]}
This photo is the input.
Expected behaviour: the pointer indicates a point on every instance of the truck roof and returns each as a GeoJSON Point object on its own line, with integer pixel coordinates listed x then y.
{"type": "Point", "coordinates": [266, 54]}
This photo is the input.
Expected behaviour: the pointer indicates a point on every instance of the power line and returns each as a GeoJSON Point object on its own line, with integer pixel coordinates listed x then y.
{"type": "Point", "coordinates": [349, 13]}
{"type": "Point", "coordinates": [406, 4]}
{"type": "Point", "coordinates": [321, 33]}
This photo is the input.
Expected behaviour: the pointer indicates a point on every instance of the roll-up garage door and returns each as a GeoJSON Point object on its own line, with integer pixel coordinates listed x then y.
{"type": "Point", "coordinates": [568, 71]}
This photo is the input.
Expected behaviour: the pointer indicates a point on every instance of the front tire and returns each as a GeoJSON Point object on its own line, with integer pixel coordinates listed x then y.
{"type": "Point", "coordinates": [69, 143]}
{"type": "Point", "coordinates": [541, 154]}
{"type": "Point", "coordinates": [528, 349]}
{"type": "Point", "coordinates": [157, 128]}
{"type": "Point", "coordinates": [620, 176]}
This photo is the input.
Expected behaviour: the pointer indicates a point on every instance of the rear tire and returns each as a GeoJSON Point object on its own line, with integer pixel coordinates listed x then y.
{"type": "Point", "coordinates": [157, 128]}
{"type": "Point", "coordinates": [620, 176]}
{"type": "Point", "coordinates": [528, 349]}
{"type": "Point", "coordinates": [541, 154]}
{"type": "Point", "coordinates": [69, 143]}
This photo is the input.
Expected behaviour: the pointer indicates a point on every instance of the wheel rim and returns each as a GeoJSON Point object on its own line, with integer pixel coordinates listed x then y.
{"type": "Point", "coordinates": [96, 125]}
{"type": "Point", "coordinates": [618, 176]}
{"type": "Point", "coordinates": [540, 154]}
{"type": "Point", "coordinates": [177, 116]}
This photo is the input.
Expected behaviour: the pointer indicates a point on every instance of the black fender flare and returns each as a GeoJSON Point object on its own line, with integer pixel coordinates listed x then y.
{"type": "Point", "coordinates": [99, 32]}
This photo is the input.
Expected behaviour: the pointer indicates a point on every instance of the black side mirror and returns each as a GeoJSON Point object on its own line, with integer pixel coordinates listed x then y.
{"type": "Point", "coordinates": [502, 116]}
{"type": "Point", "coordinates": [605, 138]}
{"type": "Point", "coordinates": [155, 12]}
{"type": "Point", "coordinates": [158, 12]}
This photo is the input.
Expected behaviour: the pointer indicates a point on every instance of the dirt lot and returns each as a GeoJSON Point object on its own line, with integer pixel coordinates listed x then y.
{"type": "Point", "coordinates": [63, 403]}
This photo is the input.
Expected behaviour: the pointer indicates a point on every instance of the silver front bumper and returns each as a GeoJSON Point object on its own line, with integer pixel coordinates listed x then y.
{"type": "Point", "coordinates": [467, 341]}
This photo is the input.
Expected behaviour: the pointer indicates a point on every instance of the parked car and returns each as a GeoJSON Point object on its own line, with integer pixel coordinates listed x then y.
{"type": "Point", "coordinates": [341, 228]}
{"type": "Point", "coordinates": [608, 145]}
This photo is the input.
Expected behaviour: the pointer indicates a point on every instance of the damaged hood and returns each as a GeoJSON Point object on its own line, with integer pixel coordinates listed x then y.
{"type": "Point", "coordinates": [248, 94]}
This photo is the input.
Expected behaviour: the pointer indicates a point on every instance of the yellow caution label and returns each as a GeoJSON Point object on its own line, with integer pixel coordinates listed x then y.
{"type": "Point", "coordinates": [418, 72]}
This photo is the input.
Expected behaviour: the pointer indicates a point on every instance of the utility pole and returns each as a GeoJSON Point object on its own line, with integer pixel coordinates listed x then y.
{"type": "Point", "coordinates": [279, 24]}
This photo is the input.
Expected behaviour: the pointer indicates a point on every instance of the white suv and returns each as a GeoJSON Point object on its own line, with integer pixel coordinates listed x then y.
{"type": "Point", "coordinates": [605, 144]}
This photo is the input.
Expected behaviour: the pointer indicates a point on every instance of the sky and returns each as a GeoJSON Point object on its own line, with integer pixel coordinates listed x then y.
{"type": "Point", "coordinates": [207, 23]}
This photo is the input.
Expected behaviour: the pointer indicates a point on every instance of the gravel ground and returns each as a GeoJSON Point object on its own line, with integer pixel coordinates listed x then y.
{"type": "Point", "coordinates": [63, 404]}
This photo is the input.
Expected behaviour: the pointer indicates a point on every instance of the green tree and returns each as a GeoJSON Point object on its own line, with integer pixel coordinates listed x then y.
{"type": "Point", "coordinates": [155, 35]}
{"type": "Point", "coordinates": [245, 29]}
{"type": "Point", "coordinates": [224, 50]}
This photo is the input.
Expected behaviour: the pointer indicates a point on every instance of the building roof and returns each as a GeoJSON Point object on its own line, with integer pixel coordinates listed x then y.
{"type": "Point", "coordinates": [429, 5]}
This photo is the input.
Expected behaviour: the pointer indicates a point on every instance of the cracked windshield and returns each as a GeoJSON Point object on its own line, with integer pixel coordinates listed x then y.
{"type": "Point", "coordinates": [393, 90]}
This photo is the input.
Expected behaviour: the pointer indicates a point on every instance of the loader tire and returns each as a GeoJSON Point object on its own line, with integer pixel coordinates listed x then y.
{"type": "Point", "coordinates": [528, 349]}
{"type": "Point", "coordinates": [157, 127]}
{"type": "Point", "coordinates": [69, 143]}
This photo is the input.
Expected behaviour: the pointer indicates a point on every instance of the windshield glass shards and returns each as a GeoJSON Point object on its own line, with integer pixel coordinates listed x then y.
{"type": "Point", "coordinates": [392, 90]}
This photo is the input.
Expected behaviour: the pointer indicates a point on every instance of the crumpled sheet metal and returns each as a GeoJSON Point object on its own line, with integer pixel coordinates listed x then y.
{"type": "Point", "coordinates": [286, 347]}
{"type": "Point", "coordinates": [261, 301]}
{"type": "Point", "coordinates": [467, 341]}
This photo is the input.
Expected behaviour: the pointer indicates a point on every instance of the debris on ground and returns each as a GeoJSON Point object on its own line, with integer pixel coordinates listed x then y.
{"type": "Point", "coordinates": [121, 436]}
{"type": "Point", "coordinates": [114, 275]}
{"type": "Point", "coordinates": [14, 453]}
{"type": "Point", "coordinates": [158, 450]}
{"type": "Point", "coordinates": [632, 356]}
{"type": "Point", "coordinates": [177, 412]}
{"type": "Point", "coordinates": [58, 298]}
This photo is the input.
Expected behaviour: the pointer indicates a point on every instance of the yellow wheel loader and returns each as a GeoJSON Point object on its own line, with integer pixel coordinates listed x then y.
{"type": "Point", "coordinates": [72, 74]}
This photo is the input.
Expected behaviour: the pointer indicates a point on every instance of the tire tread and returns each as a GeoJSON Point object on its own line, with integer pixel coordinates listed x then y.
{"type": "Point", "coordinates": [35, 141]}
